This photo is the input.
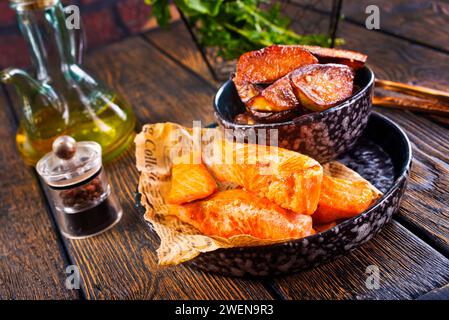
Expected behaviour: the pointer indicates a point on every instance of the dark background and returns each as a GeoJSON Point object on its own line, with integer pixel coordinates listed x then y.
{"type": "Point", "coordinates": [104, 21]}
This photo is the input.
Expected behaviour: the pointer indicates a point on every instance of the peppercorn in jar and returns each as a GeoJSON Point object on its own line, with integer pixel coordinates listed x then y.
{"type": "Point", "coordinates": [79, 188]}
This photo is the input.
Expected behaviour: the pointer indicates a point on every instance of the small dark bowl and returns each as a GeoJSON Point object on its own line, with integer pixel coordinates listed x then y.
{"type": "Point", "coordinates": [383, 156]}
{"type": "Point", "coordinates": [321, 135]}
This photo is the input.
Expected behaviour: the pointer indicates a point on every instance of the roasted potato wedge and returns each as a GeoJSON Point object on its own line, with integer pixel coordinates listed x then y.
{"type": "Point", "coordinates": [268, 65]}
{"type": "Point", "coordinates": [247, 90]}
{"type": "Point", "coordinates": [277, 97]}
{"type": "Point", "coordinates": [321, 86]}
{"type": "Point", "coordinates": [244, 118]}
{"type": "Point", "coordinates": [271, 63]}
{"type": "Point", "coordinates": [353, 59]}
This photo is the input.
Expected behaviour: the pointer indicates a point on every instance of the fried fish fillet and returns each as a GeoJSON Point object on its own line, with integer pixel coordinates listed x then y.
{"type": "Point", "coordinates": [321, 86]}
{"type": "Point", "coordinates": [238, 212]}
{"type": "Point", "coordinates": [342, 199]}
{"type": "Point", "coordinates": [353, 59]}
{"type": "Point", "coordinates": [190, 182]}
{"type": "Point", "coordinates": [287, 178]}
{"type": "Point", "coordinates": [267, 65]}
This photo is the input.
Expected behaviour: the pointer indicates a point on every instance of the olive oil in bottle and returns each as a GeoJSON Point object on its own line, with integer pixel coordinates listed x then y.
{"type": "Point", "coordinates": [63, 99]}
{"type": "Point", "coordinates": [105, 122]}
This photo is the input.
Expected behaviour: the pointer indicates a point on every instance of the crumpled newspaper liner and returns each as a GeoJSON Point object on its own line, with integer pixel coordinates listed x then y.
{"type": "Point", "coordinates": [180, 241]}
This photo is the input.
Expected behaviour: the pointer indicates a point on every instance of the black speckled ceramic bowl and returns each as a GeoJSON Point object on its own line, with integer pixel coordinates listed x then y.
{"type": "Point", "coordinates": [383, 156]}
{"type": "Point", "coordinates": [321, 135]}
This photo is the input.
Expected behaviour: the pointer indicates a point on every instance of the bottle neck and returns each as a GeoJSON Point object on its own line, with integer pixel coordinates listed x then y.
{"type": "Point", "coordinates": [48, 39]}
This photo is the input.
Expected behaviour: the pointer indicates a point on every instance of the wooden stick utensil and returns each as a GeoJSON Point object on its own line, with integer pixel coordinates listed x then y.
{"type": "Point", "coordinates": [430, 101]}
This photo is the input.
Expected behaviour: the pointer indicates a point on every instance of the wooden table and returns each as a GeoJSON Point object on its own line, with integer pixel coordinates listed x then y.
{"type": "Point", "coordinates": [162, 74]}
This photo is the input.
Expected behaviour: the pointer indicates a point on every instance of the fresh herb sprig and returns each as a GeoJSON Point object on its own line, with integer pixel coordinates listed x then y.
{"type": "Point", "coordinates": [236, 26]}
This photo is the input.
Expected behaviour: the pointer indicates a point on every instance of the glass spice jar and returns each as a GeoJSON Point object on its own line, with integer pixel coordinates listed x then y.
{"type": "Point", "coordinates": [79, 188]}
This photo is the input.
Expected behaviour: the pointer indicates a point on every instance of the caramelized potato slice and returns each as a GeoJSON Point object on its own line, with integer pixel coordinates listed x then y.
{"type": "Point", "coordinates": [353, 59]}
{"type": "Point", "coordinates": [271, 63]}
{"type": "Point", "coordinates": [277, 97]}
{"type": "Point", "coordinates": [321, 86]}
{"type": "Point", "coordinates": [342, 199]}
{"type": "Point", "coordinates": [247, 90]}
{"type": "Point", "coordinates": [266, 66]}
{"type": "Point", "coordinates": [273, 117]}
{"type": "Point", "coordinates": [189, 182]}
{"type": "Point", "coordinates": [244, 118]}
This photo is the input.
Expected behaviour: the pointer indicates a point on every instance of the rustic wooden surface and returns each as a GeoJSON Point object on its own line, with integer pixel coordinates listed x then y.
{"type": "Point", "coordinates": [408, 268]}
{"type": "Point", "coordinates": [405, 61]}
{"type": "Point", "coordinates": [164, 78]}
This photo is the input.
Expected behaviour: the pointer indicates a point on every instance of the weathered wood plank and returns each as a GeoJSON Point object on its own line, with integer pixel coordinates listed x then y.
{"type": "Point", "coordinates": [407, 269]}
{"type": "Point", "coordinates": [122, 263]}
{"type": "Point", "coordinates": [392, 58]}
{"type": "Point", "coordinates": [183, 49]}
{"type": "Point", "coordinates": [32, 265]}
{"type": "Point", "coordinates": [425, 202]}
{"type": "Point", "coordinates": [411, 19]}
{"type": "Point", "coordinates": [398, 60]}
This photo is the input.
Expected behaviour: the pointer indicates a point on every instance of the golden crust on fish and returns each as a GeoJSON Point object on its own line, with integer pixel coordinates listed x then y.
{"type": "Point", "coordinates": [189, 182]}
{"type": "Point", "coordinates": [287, 178]}
{"type": "Point", "coordinates": [342, 199]}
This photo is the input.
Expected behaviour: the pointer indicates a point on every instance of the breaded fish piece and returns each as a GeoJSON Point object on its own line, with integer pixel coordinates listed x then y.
{"type": "Point", "coordinates": [190, 182]}
{"type": "Point", "coordinates": [287, 178]}
{"type": "Point", "coordinates": [342, 199]}
{"type": "Point", "coordinates": [321, 86]}
{"type": "Point", "coordinates": [238, 212]}
{"type": "Point", "coordinates": [267, 65]}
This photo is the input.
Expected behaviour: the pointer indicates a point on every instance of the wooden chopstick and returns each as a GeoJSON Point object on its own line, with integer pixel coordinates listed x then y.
{"type": "Point", "coordinates": [425, 106]}
{"type": "Point", "coordinates": [417, 91]}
